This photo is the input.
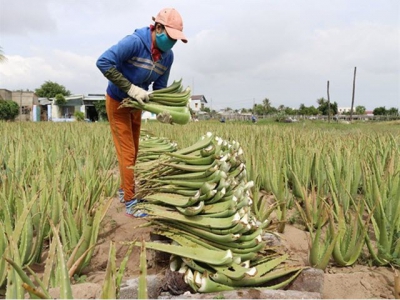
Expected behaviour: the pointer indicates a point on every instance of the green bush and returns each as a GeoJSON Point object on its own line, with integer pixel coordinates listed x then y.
{"type": "Point", "coordinates": [9, 110]}
{"type": "Point", "coordinates": [60, 99]}
{"type": "Point", "coordinates": [79, 116]}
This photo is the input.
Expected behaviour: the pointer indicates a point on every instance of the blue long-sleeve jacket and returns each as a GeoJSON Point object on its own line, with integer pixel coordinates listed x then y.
{"type": "Point", "coordinates": [132, 57]}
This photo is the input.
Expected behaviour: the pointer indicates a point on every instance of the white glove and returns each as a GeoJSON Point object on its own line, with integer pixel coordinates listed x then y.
{"type": "Point", "coordinates": [139, 94]}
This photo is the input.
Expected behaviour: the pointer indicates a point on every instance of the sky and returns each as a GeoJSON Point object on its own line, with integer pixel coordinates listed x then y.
{"type": "Point", "coordinates": [238, 52]}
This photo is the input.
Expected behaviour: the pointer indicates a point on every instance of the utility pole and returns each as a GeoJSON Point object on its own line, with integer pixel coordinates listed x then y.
{"type": "Point", "coordinates": [20, 106]}
{"type": "Point", "coordinates": [352, 98]}
{"type": "Point", "coordinates": [329, 104]}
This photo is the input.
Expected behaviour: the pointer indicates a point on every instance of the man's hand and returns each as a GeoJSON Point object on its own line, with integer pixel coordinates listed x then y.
{"type": "Point", "coordinates": [139, 94]}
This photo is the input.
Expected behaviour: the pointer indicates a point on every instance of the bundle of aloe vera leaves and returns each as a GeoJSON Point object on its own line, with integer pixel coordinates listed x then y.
{"type": "Point", "coordinates": [199, 198]}
{"type": "Point", "coordinates": [170, 104]}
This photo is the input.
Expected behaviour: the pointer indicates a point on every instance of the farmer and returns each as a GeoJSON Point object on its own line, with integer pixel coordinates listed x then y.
{"type": "Point", "coordinates": [131, 66]}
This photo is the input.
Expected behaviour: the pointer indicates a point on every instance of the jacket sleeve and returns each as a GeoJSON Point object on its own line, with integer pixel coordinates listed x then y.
{"type": "Point", "coordinates": [109, 62]}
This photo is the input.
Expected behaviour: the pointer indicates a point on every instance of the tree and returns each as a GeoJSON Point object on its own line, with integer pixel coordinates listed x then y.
{"type": "Point", "coordinates": [8, 110]}
{"type": "Point", "coordinates": [360, 110]}
{"type": "Point", "coordinates": [290, 111]}
{"type": "Point", "coordinates": [393, 111]}
{"type": "Point", "coordinates": [322, 101]}
{"type": "Point", "coordinates": [303, 109]}
{"type": "Point", "coordinates": [266, 105]}
{"type": "Point", "coordinates": [51, 89]}
{"type": "Point", "coordinates": [60, 99]}
{"type": "Point", "coordinates": [308, 111]}
{"type": "Point", "coordinates": [380, 111]}
{"type": "Point", "coordinates": [258, 109]}
{"type": "Point", "coordinates": [323, 107]}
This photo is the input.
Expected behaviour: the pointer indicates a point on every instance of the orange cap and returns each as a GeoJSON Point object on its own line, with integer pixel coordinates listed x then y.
{"type": "Point", "coordinates": [172, 21]}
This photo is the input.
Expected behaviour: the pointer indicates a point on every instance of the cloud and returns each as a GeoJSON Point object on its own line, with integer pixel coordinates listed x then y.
{"type": "Point", "coordinates": [21, 18]}
{"type": "Point", "coordinates": [75, 72]}
{"type": "Point", "coordinates": [238, 53]}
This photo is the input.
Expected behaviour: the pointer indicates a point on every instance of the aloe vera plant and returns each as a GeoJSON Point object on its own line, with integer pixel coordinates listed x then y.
{"type": "Point", "coordinates": [67, 171]}
{"type": "Point", "coordinates": [382, 200]}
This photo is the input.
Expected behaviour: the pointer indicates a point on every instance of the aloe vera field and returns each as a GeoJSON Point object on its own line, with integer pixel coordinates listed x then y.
{"type": "Point", "coordinates": [329, 192]}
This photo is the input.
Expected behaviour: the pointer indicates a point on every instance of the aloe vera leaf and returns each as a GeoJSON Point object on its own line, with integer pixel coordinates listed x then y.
{"type": "Point", "coordinates": [256, 281]}
{"type": "Point", "coordinates": [33, 292]}
{"type": "Point", "coordinates": [329, 244]}
{"type": "Point", "coordinates": [170, 189]}
{"type": "Point", "coordinates": [203, 233]}
{"type": "Point", "coordinates": [192, 264]}
{"type": "Point", "coordinates": [14, 279]}
{"type": "Point", "coordinates": [233, 271]}
{"type": "Point", "coordinates": [49, 265]}
{"type": "Point", "coordinates": [219, 207]}
{"type": "Point", "coordinates": [99, 216]}
{"type": "Point", "coordinates": [169, 199]}
{"type": "Point", "coordinates": [78, 262]}
{"type": "Point", "coordinates": [184, 239]}
{"type": "Point", "coordinates": [235, 229]}
{"type": "Point", "coordinates": [159, 211]}
{"type": "Point", "coordinates": [190, 168]}
{"type": "Point", "coordinates": [203, 142]}
{"type": "Point", "coordinates": [210, 286]}
{"type": "Point", "coordinates": [121, 270]}
{"type": "Point", "coordinates": [191, 175]}
{"type": "Point", "coordinates": [175, 262]}
{"type": "Point", "coordinates": [39, 282]}
{"type": "Point", "coordinates": [108, 290]}
{"type": "Point", "coordinates": [65, 284]}
{"type": "Point", "coordinates": [242, 244]}
{"type": "Point", "coordinates": [200, 254]}
{"type": "Point", "coordinates": [237, 248]}
{"type": "Point", "coordinates": [190, 279]}
{"type": "Point", "coordinates": [25, 279]}
{"type": "Point", "coordinates": [269, 265]}
{"type": "Point", "coordinates": [179, 183]}
{"type": "Point", "coordinates": [191, 210]}
{"type": "Point", "coordinates": [142, 290]}
{"type": "Point", "coordinates": [283, 283]}
{"type": "Point", "coordinates": [16, 233]}
{"type": "Point", "coordinates": [3, 247]}
{"type": "Point", "coordinates": [222, 214]}
{"type": "Point", "coordinates": [250, 236]}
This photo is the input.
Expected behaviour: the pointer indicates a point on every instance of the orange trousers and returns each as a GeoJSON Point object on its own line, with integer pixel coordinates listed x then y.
{"type": "Point", "coordinates": [125, 129]}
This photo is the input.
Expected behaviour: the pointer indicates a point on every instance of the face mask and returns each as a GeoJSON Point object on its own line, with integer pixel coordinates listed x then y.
{"type": "Point", "coordinates": [164, 43]}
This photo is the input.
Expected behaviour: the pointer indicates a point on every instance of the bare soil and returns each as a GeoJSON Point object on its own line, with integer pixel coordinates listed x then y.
{"type": "Point", "coordinates": [357, 282]}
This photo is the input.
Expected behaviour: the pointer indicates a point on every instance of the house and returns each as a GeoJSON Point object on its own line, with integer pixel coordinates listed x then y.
{"type": "Point", "coordinates": [343, 110]}
{"type": "Point", "coordinates": [74, 103]}
{"type": "Point", "coordinates": [197, 103]}
{"type": "Point", "coordinates": [85, 104]}
{"type": "Point", "coordinates": [26, 100]}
